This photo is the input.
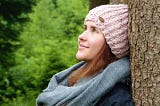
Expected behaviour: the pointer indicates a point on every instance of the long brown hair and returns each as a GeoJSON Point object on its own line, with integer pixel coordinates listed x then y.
{"type": "Point", "coordinates": [104, 57]}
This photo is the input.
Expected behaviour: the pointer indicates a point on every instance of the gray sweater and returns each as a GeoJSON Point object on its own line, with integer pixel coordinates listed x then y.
{"type": "Point", "coordinates": [87, 91]}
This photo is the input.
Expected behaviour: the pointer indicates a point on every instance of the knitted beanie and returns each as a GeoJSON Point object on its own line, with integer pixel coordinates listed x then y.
{"type": "Point", "coordinates": [112, 20]}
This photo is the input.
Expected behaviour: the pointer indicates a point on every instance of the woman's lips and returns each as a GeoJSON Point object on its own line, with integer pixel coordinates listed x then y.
{"type": "Point", "coordinates": [81, 46]}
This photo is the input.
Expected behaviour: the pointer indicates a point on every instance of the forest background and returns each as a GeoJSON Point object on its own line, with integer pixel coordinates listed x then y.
{"type": "Point", "coordinates": [38, 38]}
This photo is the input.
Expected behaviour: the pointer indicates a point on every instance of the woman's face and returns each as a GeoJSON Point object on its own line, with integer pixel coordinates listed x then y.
{"type": "Point", "coordinates": [90, 42]}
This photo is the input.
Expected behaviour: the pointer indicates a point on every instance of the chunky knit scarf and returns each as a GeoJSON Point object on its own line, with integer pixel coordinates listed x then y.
{"type": "Point", "coordinates": [83, 94]}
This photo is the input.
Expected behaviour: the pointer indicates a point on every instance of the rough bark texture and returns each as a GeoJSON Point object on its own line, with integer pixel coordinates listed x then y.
{"type": "Point", "coordinates": [118, 1]}
{"type": "Point", "coordinates": [144, 35]}
{"type": "Point", "coordinates": [95, 3]}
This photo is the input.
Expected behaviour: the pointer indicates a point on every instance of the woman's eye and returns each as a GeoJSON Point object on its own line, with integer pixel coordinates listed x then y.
{"type": "Point", "coordinates": [94, 30]}
{"type": "Point", "coordinates": [85, 28]}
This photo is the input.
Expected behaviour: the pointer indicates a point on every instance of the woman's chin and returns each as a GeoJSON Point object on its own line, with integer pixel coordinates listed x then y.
{"type": "Point", "coordinates": [79, 57]}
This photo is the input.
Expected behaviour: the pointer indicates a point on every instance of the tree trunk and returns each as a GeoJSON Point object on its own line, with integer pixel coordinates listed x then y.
{"type": "Point", "coordinates": [118, 1]}
{"type": "Point", "coordinates": [95, 3]}
{"type": "Point", "coordinates": [144, 35]}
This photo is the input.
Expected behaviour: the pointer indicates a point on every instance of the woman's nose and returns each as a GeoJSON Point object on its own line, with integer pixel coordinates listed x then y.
{"type": "Point", "coordinates": [83, 36]}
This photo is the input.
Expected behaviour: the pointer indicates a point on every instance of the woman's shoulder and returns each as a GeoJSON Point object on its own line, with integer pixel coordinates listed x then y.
{"type": "Point", "coordinates": [125, 61]}
{"type": "Point", "coordinates": [120, 95]}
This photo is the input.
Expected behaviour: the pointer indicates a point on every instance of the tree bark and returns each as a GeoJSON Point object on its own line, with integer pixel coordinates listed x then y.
{"type": "Point", "coordinates": [95, 3]}
{"type": "Point", "coordinates": [118, 1]}
{"type": "Point", "coordinates": [144, 35]}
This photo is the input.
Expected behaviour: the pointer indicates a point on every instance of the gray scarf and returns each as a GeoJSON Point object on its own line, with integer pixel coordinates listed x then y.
{"type": "Point", "coordinates": [83, 94]}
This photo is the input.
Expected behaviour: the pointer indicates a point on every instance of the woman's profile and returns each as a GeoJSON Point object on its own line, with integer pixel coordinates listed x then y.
{"type": "Point", "coordinates": [102, 77]}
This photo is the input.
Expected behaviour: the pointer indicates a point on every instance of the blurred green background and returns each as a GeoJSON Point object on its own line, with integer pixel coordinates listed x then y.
{"type": "Point", "coordinates": [38, 38]}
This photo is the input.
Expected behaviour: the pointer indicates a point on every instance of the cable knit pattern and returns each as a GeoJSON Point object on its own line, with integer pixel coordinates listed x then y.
{"type": "Point", "coordinates": [112, 20]}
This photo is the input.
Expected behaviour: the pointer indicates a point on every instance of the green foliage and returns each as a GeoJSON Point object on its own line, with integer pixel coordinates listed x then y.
{"type": "Point", "coordinates": [13, 13]}
{"type": "Point", "coordinates": [21, 101]}
{"type": "Point", "coordinates": [48, 45]}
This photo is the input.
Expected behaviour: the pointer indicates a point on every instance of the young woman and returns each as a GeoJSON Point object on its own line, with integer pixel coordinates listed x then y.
{"type": "Point", "coordinates": [102, 78]}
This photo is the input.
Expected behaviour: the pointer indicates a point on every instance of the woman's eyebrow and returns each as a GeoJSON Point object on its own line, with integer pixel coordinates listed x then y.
{"type": "Point", "coordinates": [92, 26]}
{"type": "Point", "coordinates": [95, 27]}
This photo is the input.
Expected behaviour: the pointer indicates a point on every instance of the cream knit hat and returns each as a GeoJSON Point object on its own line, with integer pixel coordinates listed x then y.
{"type": "Point", "coordinates": [112, 20]}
